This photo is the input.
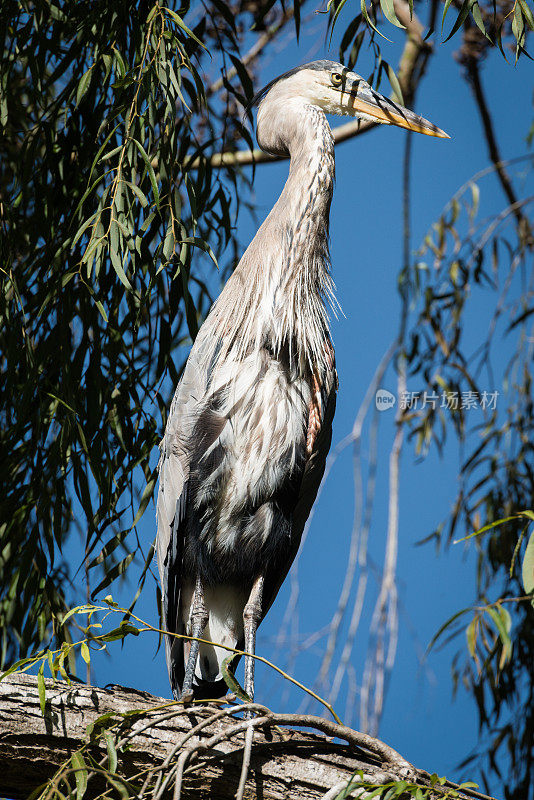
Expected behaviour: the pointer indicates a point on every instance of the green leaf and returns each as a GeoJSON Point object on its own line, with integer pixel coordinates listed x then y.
{"type": "Point", "coordinates": [41, 689]}
{"type": "Point", "coordinates": [112, 753]}
{"type": "Point", "coordinates": [179, 21]}
{"type": "Point", "coordinates": [109, 547]}
{"type": "Point", "coordinates": [80, 768]}
{"type": "Point", "coordinates": [120, 67]}
{"type": "Point", "coordinates": [148, 492]}
{"type": "Point", "coordinates": [122, 786]}
{"type": "Point", "coordinates": [93, 728]}
{"type": "Point", "coordinates": [150, 170]}
{"type": "Point", "coordinates": [464, 11]}
{"type": "Point", "coordinates": [394, 81]}
{"type": "Point", "coordinates": [61, 667]}
{"type": "Point", "coordinates": [445, 9]}
{"type": "Point", "coordinates": [83, 85]}
{"type": "Point", "coordinates": [369, 21]}
{"type": "Point", "coordinates": [117, 570]}
{"type": "Point", "coordinates": [471, 636]}
{"type": "Point", "coordinates": [244, 77]}
{"type": "Point", "coordinates": [527, 13]}
{"type": "Point", "coordinates": [138, 193]}
{"type": "Point", "coordinates": [51, 666]}
{"type": "Point", "coordinates": [85, 653]}
{"type": "Point", "coordinates": [446, 625]}
{"type": "Point", "coordinates": [116, 262]}
{"type": "Point", "coordinates": [388, 8]}
{"type": "Point", "coordinates": [169, 243]}
{"type": "Point", "coordinates": [503, 623]}
{"type": "Point", "coordinates": [230, 679]}
{"type": "Point", "coordinates": [479, 21]}
{"type": "Point", "coordinates": [517, 548]}
{"type": "Point", "coordinates": [19, 666]}
{"type": "Point", "coordinates": [101, 310]}
{"type": "Point", "coordinates": [527, 569]}
{"type": "Point", "coordinates": [202, 245]}
{"type": "Point", "coordinates": [83, 228]}
{"type": "Point", "coordinates": [95, 162]}
{"type": "Point", "coordinates": [111, 153]}
{"type": "Point", "coordinates": [518, 28]}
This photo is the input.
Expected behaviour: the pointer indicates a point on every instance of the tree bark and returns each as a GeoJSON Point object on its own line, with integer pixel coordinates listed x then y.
{"type": "Point", "coordinates": [284, 763]}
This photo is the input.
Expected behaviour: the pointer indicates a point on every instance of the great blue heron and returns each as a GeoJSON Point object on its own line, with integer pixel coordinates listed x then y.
{"type": "Point", "coordinates": [250, 423]}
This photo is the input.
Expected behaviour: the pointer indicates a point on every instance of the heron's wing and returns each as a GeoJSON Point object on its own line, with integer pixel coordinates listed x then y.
{"type": "Point", "coordinates": [319, 437]}
{"type": "Point", "coordinates": [172, 504]}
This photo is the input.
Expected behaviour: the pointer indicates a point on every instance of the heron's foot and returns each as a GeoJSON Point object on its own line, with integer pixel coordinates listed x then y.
{"type": "Point", "coordinates": [186, 697]}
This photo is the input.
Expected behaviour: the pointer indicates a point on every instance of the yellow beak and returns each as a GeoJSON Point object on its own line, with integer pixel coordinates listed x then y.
{"type": "Point", "coordinates": [362, 99]}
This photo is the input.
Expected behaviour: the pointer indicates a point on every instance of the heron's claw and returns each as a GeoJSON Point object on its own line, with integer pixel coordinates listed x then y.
{"type": "Point", "coordinates": [187, 697]}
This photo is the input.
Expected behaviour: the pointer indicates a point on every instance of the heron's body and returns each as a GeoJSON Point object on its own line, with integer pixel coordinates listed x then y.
{"type": "Point", "coordinates": [250, 424]}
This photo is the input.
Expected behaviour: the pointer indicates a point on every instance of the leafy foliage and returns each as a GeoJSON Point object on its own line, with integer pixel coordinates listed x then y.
{"type": "Point", "coordinates": [107, 194]}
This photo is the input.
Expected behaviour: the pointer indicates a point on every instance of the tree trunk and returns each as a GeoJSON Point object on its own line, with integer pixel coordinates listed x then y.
{"type": "Point", "coordinates": [283, 764]}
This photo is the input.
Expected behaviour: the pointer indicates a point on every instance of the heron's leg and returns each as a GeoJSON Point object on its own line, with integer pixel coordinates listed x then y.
{"type": "Point", "coordinates": [251, 619]}
{"type": "Point", "coordinates": [199, 619]}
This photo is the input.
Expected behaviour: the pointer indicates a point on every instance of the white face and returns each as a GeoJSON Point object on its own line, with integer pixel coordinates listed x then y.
{"type": "Point", "coordinates": [327, 89]}
{"type": "Point", "coordinates": [339, 91]}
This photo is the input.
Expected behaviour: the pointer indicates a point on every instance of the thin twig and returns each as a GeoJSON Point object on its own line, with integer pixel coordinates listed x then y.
{"type": "Point", "coordinates": [247, 751]}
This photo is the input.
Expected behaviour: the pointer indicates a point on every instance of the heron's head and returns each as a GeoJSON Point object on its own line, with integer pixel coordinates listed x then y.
{"type": "Point", "coordinates": [334, 89]}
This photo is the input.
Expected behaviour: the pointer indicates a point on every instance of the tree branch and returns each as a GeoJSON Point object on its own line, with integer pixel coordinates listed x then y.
{"type": "Point", "coordinates": [203, 744]}
{"type": "Point", "coordinates": [471, 53]}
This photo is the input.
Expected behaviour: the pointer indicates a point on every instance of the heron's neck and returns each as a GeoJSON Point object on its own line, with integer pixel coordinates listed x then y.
{"type": "Point", "coordinates": [300, 217]}
{"type": "Point", "coordinates": [283, 282]}
{"type": "Point", "coordinates": [297, 280]}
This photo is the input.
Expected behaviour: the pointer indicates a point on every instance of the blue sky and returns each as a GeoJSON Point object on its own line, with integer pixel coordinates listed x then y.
{"type": "Point", "coordinates": [420, 719]}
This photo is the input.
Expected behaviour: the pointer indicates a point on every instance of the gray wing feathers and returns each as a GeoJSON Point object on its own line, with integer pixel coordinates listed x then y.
{"type": "Point", "coordinates": [171, 505]}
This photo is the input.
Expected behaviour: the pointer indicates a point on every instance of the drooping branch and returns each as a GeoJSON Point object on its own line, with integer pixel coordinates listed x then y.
{"type": "Point", "coordinates": [254, 51]}
{"type": "Point", "coordinates": [471, 55]}
{"type": "Point", "coordinates": [203, 744]}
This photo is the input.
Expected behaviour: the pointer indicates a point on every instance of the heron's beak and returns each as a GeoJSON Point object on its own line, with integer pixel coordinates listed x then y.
{"type": "Point", "coordinates": [362, 99]}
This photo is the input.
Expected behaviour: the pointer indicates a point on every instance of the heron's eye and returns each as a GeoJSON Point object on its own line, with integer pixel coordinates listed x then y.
{"type": "Point", "coordinates": [336, 78]}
